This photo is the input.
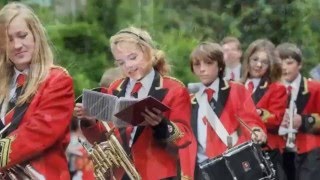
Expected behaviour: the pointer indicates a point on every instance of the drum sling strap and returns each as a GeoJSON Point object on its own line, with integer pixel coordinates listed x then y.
{"type": "Point", "coordinates": [18, 113]}
{"type": "Point", "coordinates": [16, 118]}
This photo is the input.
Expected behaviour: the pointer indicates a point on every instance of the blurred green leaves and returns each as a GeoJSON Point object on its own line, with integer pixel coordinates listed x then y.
{"type": "Point", "coordinates": [81, 40]}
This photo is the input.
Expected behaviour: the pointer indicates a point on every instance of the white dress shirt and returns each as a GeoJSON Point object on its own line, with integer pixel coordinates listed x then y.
{"type": "Point", "coordinates": [142, 93]}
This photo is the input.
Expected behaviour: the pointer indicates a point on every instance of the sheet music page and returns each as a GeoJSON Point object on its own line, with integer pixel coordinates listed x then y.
{"type": "Point", "coordinates": [122, 103]}
{"type": "Point", "coordinates": [99, 105]}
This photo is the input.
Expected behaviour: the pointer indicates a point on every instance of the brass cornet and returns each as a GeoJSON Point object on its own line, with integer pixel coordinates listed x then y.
{"type": "Point", "coordinates": [108, 155]}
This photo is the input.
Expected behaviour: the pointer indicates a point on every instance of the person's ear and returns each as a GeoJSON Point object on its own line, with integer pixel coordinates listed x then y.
{"type": "Point", "coordinates": [300, 66]}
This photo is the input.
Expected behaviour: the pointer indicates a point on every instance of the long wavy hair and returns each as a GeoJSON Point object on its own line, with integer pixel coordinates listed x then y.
{"type": "Point", "coordinates": [42, 58]}
{"type": "Point", "coordinates": [144, 41]}
{"type": "Point", "coordinates": [274, 70]}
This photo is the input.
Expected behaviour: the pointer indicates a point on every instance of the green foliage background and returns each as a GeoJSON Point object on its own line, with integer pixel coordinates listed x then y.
{"type": "Point", "coordinates": [81, 39]}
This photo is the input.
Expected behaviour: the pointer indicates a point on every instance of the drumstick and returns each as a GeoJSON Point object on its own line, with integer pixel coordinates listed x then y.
{"type": "Point", "coordinates": [246, 126]}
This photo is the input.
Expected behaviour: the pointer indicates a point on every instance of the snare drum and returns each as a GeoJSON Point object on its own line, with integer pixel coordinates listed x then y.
{"type": "Point", "coordinates": [243, 162]}
{"type": "Point", "coordinates": [213, 169]}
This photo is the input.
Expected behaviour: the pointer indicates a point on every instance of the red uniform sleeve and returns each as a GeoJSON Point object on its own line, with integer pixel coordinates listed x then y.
{"type": "Point", "coordinates": [180, 117]}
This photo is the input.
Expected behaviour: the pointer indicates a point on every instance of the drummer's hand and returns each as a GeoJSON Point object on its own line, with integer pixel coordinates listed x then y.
{"type": "Point", "coordinates": [258, 136]}
{"type": "Point", "coordinates": [297, 121]}
{"type": "Point", "coordinates": [153, 117]}
{"type": "Point", "coordinates": [80, 113]}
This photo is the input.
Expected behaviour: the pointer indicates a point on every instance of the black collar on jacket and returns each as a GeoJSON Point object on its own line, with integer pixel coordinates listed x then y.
{"type": "Point", "coordinates": [260, 91]}
{"type": "Point", "coordinates": [303, 95]}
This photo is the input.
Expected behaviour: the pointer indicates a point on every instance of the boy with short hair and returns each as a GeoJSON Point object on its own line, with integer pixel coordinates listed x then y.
{"type": "Point", "coordinates": [222, 103]}
{"type": "Point", "coordinates": [305, 98]}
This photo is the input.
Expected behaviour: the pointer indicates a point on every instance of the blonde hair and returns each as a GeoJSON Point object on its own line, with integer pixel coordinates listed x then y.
{"type": "Point", "coordinates": [109, 76]}
{"type": "Point", "coordinates": [42, 58]}
{"type": "Point", "coordinates": [144, 41]}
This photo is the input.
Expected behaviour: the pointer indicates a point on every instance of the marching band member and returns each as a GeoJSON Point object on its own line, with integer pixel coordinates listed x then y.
{"type": "Point", "coordinates": [221, 102]}
{"type": "Point", "coordinates": [153, 147]}
{"type": "Point", "coordinates": [36, 98]}
{"type": "Point", "coordinates": [232, 54]}
{"type": "Point", "coordinates": [262, 74]}
{"type": "Point", "coordinates": [305, 95]}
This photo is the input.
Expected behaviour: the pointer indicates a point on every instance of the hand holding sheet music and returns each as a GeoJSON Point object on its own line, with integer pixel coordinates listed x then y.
{"type": "Point", "coordinates": [122, 111]}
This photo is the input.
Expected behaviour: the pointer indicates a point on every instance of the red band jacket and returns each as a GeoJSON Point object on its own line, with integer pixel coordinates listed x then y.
{"type": "Point", "coordinates": [43, 133]}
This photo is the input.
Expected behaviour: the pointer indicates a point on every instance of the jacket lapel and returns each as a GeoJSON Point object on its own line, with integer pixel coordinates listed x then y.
{"type": "Point", "coordinates": [224, 90]}
{"type": "Point", "coordinates": [260, 91]}
{"type": "Point", "coordinates": [157, 91]}
{"type": "Point", "coordinates": [121, 89]}
{"type": "Point", "coordinates": [303, 95]}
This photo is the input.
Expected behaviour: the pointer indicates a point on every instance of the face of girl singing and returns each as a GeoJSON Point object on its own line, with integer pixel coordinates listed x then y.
{"type": "Point", "coordinates": [133, 62]}
{"type": "Point", "coordinates": [21, 43]}
{"type": "Point", "coordinates": [258, 64]}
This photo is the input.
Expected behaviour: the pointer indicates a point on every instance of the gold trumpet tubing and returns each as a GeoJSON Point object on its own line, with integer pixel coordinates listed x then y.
{"type": "Point", "coordinates": [98, 174]}
{"type": "Point", "coordinates": [107, 152]}
{"type": "Point", "coordinates": [98, 169]}
{"type": "Point", "coordinates": [114, 156]}
{"type": "Point", "coordinates": [98, 164]}
{"type": "Point", "coordinates": [124, 159]}
{"type": "Point", "coordinates": [100, 157]}
{"type": "Point", "coordinates": [104, 156]}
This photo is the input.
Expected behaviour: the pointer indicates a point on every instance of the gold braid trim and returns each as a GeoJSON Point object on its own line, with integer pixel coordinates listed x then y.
{"type": "Point", "coordinates": [175, 79]}
{"type": "Point", "coordinates": [120, 84]}
{"type": "Point", "coordinates": [62, 68]}
{"type": "Point", "coordinates": [185, 177]}
{"type": "Point", "coordinates": [305, 82]}
{"type": "Point", "coordinates": [175, 134]}
{"type": "Point", "coordinates": [265, 115]}
{"type": "Point", "coordinates": [5, 150]}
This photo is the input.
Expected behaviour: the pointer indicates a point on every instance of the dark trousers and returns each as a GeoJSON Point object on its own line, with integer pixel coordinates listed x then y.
{"type": "Point", "coordinates": [276, 159]}
{"type": "Point", "coordinates": [308, 165]}
{"type": "Point", "coordinates": [289, 164]}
